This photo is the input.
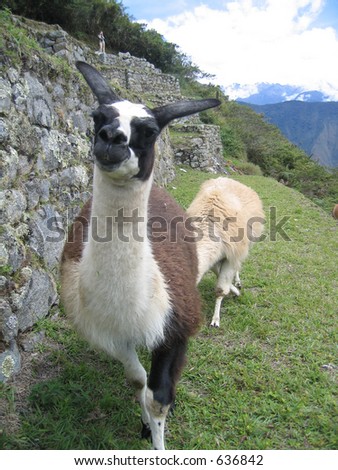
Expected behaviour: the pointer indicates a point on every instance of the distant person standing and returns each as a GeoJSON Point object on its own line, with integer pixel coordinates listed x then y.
{"type": "Point", "coordinates": [102, 43]}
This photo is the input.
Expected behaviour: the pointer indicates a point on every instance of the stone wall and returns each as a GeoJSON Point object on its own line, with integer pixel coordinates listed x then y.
{"type": "Point", "coordinates": [45, 149]}
{"type": "Point", "coordinates": [46, 165]}
{"type": "Point", "coordinates": [198, 146]}
{"type": "Point", "coordinates": [142, 78]}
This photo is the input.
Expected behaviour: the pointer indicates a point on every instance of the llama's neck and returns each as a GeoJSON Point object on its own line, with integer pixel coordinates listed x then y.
{"type": "Point", "coordinates": [123, 208]}
{"type": "Point", "coordinates": [118, 247]}
{"type": "Point", "coordinates": [118, 251]}
{"type": "Point", "coordinates": [118, 275]}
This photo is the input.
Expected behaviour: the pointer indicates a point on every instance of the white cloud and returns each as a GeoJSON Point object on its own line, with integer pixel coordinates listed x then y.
{"type": "Point", "coordinates": [251, 41]}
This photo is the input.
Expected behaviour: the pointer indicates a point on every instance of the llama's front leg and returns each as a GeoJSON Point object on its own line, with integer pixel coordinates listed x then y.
{"type": "Point", "coordinates": [137, 377]}
{"type": "Point", "coordinates": [166, 366]}
{"type": "Point", "coordinates": [217, 311]}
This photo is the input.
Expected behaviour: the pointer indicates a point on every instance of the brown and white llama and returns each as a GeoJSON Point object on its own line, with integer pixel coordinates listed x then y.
{"type": "Point", "coordinates": [133, 287]}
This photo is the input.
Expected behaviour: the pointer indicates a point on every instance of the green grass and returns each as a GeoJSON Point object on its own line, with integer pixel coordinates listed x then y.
{"type": "Point", "coordinates": [22, 44]}
{"type": "Point", "coordinates": [266, 379]}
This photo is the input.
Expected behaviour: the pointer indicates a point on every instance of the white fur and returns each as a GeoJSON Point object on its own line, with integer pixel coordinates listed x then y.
{"type": "Point", "coordinates": [119, 280]}
{"type": "Point", "coordinates": [157, 419]}
{"type": "Point", "coordinates": [127, 169]}
{"type": "Point", "coordinates": [128, 111]}
{"type": "Point", "coordinates": [232, 213]}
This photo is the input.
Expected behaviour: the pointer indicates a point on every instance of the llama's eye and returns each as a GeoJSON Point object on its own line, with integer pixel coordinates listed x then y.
{"type": "Point", "coordinates": [149, 133]}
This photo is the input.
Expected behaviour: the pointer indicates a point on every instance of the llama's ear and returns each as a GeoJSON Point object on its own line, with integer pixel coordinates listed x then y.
{"type": "Point", "coordinates": [165, 114]}
{"type": "Point", "coordinates": [98, 84]}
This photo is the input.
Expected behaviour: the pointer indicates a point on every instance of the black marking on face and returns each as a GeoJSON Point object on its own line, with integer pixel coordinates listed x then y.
{"type": "Point", "coordinates": [144, 133]}
{"type": "Point", "coordinates": [104, 115]}
{"type": "Point", "coordinates": [110, 143]}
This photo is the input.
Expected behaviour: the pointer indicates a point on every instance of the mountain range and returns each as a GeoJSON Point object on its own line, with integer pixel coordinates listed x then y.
{"type": "Point", "coordinates": [272, 93]}
{"type": "Point", "coordinates": [306, 118]}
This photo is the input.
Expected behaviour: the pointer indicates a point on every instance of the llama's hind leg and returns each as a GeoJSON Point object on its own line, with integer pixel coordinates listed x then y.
{"type": "Point", "coordinates": [223, 287]}
{"type": "Point", "coordinates": [166, 366]}
{"type": "Point", "coordinates": [237, 280]}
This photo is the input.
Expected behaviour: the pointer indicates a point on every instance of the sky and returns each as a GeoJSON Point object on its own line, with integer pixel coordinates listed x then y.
{"type": "Point", "coordinates": [290, 42]}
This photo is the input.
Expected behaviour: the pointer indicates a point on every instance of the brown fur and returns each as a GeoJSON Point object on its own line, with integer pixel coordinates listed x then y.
{"type": "Point", "coordinates": [178, 263]}
{"type": "Point", "coordinates": [180, 276]}
{"type": "Point", "coordinates": [77, 234]}
{"type": "Point", "coordinates": [335, 212]}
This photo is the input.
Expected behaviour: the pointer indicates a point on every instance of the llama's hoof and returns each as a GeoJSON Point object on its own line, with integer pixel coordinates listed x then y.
{"type": "Point", "coordinates": [235, 291]}
{"type": "Point", "coordinates": [214, 324]}
{"type": "Point", "coordinates": [146, 432]}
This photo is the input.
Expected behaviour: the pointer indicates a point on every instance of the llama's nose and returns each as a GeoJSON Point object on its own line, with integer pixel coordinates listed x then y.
{"type": "Point", "coordinates": [113, 136]}
{"type": "Point", "coordinates": [111, 147]}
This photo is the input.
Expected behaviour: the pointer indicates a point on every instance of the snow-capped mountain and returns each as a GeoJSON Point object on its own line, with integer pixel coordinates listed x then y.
{"type": "Point", "coordinates": [271, 93]}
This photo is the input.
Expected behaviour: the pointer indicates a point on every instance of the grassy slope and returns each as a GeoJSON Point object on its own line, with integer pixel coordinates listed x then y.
{"type": "Point", "coordinates": [257, 382]}
{"type": "Point", "coordinates": [268, 388]}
